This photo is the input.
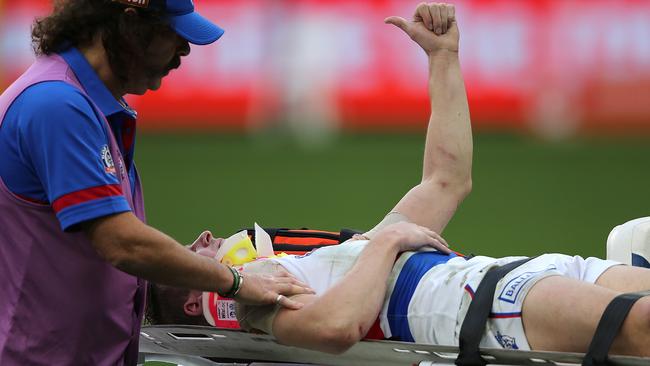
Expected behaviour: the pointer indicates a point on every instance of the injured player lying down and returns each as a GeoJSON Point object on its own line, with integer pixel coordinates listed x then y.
{"type": "Point", "coordinates": [552, 302]}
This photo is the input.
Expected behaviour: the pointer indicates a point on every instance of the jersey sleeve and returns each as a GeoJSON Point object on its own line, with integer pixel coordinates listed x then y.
{"type": "Point", "coordinates": [66, 144]}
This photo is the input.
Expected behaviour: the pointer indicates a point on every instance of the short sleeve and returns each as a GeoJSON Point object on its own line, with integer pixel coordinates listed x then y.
{"type": "Point", "coordinates": [64, 141]}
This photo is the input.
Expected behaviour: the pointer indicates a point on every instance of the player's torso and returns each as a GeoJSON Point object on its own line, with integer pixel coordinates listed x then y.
{"type": "Point", "coordinates": [323, 267]}
{"type": "Point", "coordinates": [425, 292]}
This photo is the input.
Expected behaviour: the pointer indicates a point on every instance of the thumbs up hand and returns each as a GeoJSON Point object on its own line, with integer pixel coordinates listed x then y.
{"type": "Point", "coordinates": [433, 27]}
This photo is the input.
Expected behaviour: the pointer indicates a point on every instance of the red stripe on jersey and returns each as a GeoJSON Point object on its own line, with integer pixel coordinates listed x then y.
{"type": "Point", "coordinates": [375, 332]}
{"type": "Point", "coordinates": [86, 195]}
{"type": "Point", "coordinates": [469, 291]}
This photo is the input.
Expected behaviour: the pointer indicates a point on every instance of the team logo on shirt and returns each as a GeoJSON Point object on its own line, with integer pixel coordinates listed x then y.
{"type": "Point", "coordinates": [506, 341]}
{"type": "Point", "coordinates": [107, 160]}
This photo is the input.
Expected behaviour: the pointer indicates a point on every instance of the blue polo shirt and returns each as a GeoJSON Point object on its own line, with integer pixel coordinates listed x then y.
{"type": "Point", "coordinates": [53, 146]}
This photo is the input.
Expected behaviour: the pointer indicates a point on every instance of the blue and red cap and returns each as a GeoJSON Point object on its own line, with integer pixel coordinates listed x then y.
{"type": "Point", "coordinates": [183, 19]}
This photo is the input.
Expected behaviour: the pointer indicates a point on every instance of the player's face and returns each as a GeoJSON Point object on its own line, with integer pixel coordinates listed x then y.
{"type": "Point", "coordinates": [161, 56]}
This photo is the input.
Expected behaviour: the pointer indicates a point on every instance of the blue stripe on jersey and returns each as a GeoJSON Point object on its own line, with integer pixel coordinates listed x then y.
{"type": "Point", "coordinates": [639, 261]}
{"type": "Point", "coordinates": [407, 281]}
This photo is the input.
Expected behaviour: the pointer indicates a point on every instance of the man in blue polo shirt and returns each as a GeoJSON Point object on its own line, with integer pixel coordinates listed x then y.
{"type": "Point", "coordinates": [74, 248]}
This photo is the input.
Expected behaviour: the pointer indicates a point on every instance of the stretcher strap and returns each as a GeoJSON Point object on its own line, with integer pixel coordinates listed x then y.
{"type": "Point", "coordinates": [609, 326]}
{"type": "Point", "coordinates": [473, 326]}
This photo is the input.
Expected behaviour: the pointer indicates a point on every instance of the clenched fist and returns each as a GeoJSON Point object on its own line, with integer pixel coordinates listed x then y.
{"type": "Point", "coordinates": [433, 27]}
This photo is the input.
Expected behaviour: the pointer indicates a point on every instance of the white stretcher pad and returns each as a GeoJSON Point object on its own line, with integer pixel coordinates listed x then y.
{"type": "Point", "coordinates": [197, 342]}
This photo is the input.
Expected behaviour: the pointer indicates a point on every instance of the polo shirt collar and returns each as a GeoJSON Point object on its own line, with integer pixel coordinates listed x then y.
{"type": "Point", "coordinates": [92, 84]}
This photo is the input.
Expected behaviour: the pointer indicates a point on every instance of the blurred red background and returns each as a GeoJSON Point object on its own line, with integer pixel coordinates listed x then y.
{"type": "Point", "coordinates": [556, 68]}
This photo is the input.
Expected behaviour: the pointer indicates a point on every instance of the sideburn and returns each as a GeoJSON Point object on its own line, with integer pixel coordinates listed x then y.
{"type": "Point", "coordinates": [126, 43]}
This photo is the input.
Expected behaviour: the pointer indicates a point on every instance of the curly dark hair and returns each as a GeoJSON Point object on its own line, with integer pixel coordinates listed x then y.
{"type": "Point", "coordinates": [125, 35]}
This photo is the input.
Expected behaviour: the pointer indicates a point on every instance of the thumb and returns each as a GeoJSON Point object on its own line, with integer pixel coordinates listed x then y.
{"type": "Point", "coordinates": [398, 22]}
{"type": "Point", "coordinates": [287, 303]}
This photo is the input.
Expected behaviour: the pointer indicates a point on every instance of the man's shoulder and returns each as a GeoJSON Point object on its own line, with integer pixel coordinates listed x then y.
{"type": "Point", "coordinates": [51, 101]}
{"type": "Point", "coordinates": [54, 94]}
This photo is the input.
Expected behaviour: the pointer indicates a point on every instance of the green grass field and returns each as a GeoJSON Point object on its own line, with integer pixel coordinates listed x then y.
{"type": "Point", "coordinates": [529, 196]}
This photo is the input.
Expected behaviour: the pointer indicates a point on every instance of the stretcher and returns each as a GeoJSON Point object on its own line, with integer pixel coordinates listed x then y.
{"type": "Point", "coordinates": [210, 346]}
{"type": "Point", "coordinates": [193, 345]}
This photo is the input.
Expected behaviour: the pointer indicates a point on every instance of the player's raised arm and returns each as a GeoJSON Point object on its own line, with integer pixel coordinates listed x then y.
{"type": "Point", "coordinates": [446, 178]}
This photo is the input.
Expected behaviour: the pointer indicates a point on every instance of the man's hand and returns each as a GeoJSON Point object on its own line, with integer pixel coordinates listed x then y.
{"type": "Point", "coordinates": [433, 27]}
{"type": "Point", "coordinates": [407, 236]}
{"type": "Point", "coordinates": [272, 289]}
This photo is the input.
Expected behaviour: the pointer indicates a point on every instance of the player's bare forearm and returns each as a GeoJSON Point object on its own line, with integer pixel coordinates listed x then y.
{"type": "Point", "coordinates": [448, 150]}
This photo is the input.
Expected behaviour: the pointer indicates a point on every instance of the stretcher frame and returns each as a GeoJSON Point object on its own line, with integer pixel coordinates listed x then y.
{"type": "Point", "coordinates": [193, 345]}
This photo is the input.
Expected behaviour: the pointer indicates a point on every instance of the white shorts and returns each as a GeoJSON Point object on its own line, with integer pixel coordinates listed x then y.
{"type": "Point", "coordinates": [455, 282]}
